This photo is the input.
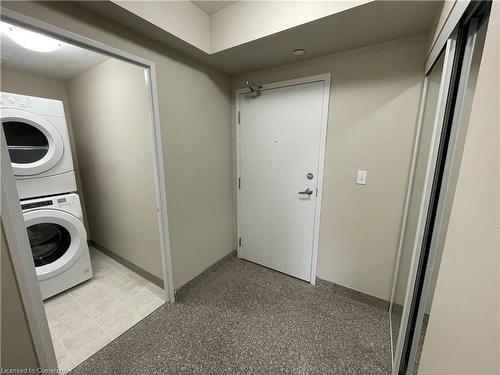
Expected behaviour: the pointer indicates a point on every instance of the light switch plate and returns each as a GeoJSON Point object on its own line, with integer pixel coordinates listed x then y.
{"type": "Point", "coordinates": [361, 177]}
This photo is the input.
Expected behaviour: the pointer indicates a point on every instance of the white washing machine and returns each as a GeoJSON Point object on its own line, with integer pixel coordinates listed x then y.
{"type": "Point", "coordinates": [58, 242]}
{"type": "Point", "coordinates": [37, 139]}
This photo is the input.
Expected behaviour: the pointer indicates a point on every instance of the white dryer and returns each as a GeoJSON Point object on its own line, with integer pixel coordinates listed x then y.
{"type": "Point", "coordinates": [58, 242]}
{"type": "Point", "coordinates": [38, 143]}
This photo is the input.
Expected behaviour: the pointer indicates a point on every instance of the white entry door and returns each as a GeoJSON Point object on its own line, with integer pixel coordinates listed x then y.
{"type": "Point", "coordinates": [281, 143]}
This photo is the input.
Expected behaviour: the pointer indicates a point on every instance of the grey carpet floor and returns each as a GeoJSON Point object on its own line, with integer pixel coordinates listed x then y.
{"type": "Point", "coordinates": [241, 318]}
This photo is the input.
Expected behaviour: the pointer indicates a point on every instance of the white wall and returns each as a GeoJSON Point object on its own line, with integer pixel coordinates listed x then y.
{"type": "Point", "coordinates": [195, 116]}
{"type": "Point", "coordinates": [373, 110]}
{"type": "Point", "coordinates": [33, 85]}
{"type": "Point", "coordinates": [463, 335]}
{"type": "Point", "coordinates": [113, 138]}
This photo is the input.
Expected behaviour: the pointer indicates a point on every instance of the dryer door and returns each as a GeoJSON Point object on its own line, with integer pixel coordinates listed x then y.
{"type": "Point", "coordinates": [57, 240]}
{"type": "Point", "coordinates": [34, 143]}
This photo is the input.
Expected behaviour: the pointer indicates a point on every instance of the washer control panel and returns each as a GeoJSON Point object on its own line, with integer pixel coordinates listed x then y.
{"type": "Point", "coordinates": [27, 206]}
{"type": "Point", "coordinates": [68, 202]}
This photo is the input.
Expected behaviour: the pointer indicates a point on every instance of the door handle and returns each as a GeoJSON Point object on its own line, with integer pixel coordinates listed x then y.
{"type": "Point", "coordinates": [306, 192]}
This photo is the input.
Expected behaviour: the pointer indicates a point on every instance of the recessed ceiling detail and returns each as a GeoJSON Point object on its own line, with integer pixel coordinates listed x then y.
{"type": "Point", "coordinates": [211, 7]}
{"type": "Point", "coordinates": [249, 35]}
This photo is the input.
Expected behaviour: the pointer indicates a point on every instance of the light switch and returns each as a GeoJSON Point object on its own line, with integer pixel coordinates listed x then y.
{"type": "Point", "coordinates": [361, 178]}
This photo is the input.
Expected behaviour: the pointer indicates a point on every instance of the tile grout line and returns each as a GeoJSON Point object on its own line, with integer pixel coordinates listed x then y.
{"type": "Point", "coordinates": [117, 266]}
{"type": "Point", "coordinates": [123, 270]}
{"type": "Point", "coordinates": [143, 284]}
{"type": "Point", "coordinates": [114, 298]}
{"type": "Point", "coordinates": [95, 321]}
{"type": "Point", "coordinates": [105, 331]}
{"type": "Point", "coordinates": [117, 299]}
{"type": "Point", "coordinates": [135, 317]}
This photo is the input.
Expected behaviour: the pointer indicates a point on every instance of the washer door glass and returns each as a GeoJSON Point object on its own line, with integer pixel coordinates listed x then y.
{"type": "Point", "coordinates": [49, 242]}
{"type": "Point", "coordinates": [57, 239]}
{"type": "Point", "coordinates": [26, 144]}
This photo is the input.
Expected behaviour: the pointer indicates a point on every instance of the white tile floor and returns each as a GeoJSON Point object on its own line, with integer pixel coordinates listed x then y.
{"type": "Point", "coordinates": [87, 317]}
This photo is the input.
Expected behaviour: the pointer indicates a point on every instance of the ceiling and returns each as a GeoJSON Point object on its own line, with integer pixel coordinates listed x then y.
{"type": "Point", "coordinates": [62, 64]}
{"type": "Point", "coordinates": [211, 7]}
{"type": "Point", "coordinates": [374, 22]}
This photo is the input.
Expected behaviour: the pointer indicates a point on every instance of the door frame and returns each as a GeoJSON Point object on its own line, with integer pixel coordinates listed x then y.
{"type": "Point", "coordinates": [326, 78]}
{"type": "Point", "coordinates": [15, 232]}
{"type": "Point", "coordinates": [19, 251]}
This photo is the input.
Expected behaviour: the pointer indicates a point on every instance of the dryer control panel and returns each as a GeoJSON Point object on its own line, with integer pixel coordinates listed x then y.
{"type": "Point", "coordinates": [16, 101]}
{"type": "Point", "coordinates": [40, 106]}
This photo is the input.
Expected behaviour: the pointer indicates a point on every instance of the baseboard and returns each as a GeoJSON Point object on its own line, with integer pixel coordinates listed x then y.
{"type": "Point", "coordinates": [354, 294]}
{"type": "Point", "coordinates": [397, 309]}
{"type": "Point", "coordinates": [124, 262]}
{"type": "Point", "coordinates": [209, 269]}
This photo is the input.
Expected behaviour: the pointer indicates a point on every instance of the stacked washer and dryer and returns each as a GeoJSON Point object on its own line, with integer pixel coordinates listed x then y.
{"type": "Point", "coordinates": [37, 140]}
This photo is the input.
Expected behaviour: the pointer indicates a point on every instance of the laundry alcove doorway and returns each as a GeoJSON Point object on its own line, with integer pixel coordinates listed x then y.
{"type": "Point", "coordinates": [24, 85]}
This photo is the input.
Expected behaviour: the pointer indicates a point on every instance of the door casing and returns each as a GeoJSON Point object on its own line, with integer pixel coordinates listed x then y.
{"type": "Point", "coordinates": [326, 78]}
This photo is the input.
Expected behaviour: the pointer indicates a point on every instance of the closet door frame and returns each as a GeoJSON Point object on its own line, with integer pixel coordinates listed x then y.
{"type": "Point", "coordinates": [429, 183]}
{"type": "Point", "coordinates": [427, 257]}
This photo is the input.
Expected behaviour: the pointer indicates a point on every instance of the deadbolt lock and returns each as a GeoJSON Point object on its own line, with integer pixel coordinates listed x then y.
{"type": "Point", "coordinates": [309, 176]}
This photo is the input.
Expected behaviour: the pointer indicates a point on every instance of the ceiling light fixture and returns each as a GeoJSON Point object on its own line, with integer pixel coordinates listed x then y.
{"type": "Point", "coordinates": [298, 52]}
{"type": "Point", "coordinates": [30, 39]}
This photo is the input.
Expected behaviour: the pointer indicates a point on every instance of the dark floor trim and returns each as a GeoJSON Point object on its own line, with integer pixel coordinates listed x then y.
{"type": "Point", "coordinates": [131, 266]}
{"type": "Point", "coordinates": [209, 269]}
{"type": "Point", "coordinates": [354, 294]}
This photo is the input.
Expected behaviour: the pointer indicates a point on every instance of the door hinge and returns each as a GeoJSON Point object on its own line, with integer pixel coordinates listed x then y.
{"type": "Point", "coordinates": [239, 242]}
{"type": "Point", "coordinates": [239, 117]}
{"type": "Point", "coordinates": [316, 191]}
{"type": "Point", "coordinates": [239, 183]}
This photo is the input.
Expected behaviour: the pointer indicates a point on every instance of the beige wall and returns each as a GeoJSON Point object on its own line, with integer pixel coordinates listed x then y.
{"type": "Point", "coordinates": [113, 139]}
{"type": "Point", "coordinates": [195, 115]}
{"type": "Point", "coordinates": [33, 85]}
{"type": "Point", "coordinates": [17, 350]}
{"type": "Point", "coordinates": [180, 18]}
{"type": "Point", "coordinates": [235, 24]}
{"type": "Point", "coordinates": [373, 109]}
{"type": "Point", "coordinates": [441, 18]}
{"type": "Point", "coordinates": [463, 335]}
{"type": "Point", "coordinates": [245, 21]}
